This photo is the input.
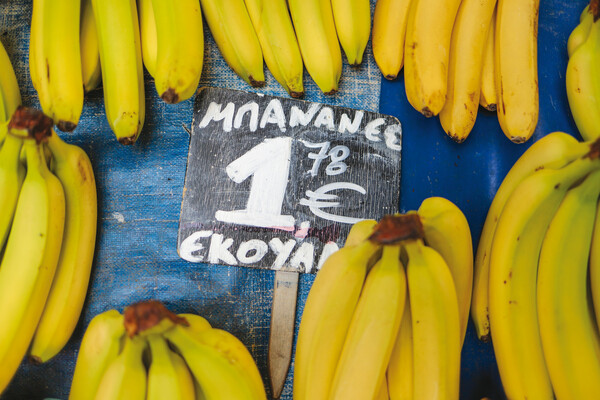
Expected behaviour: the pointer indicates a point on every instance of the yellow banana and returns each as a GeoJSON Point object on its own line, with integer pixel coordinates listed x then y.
{"type": "Point", "coordinates": [353, 26]}
{"type": "Point", "coordinates": [389, 31]}
{"type": "Point", "coordinates": [581, 32]}
{"type": "Point", "coordinates": [373, 328]}
{"type": "Point", "coordinates": [595, 266]}
{"type": "Point", "coordinates": [427, 50]}
{"type": "Point", "coordinates": [516, 67]}
{"type": "Point", "coordinates": [234, 34]}
{"type": "Point", "coordinates": [125, 377]}
{"type": "Point", "coordinates": [100, 345]}
{"type": "Point", "coordinates": [220, 363]}
{"type": "Point", "coordinates": [168, 375]}
{"type": "Point", "coordinates": [10, 96]}
{"type": "Point", "coordinates": [447, 231]}
{"type": "Point", "coordinates": [318, 41]}
{"type": "Point", "coordinates": [326, 317]}
{"type": "Point", "coordinates": [90, 54]}
{"type": "Point", "coordinates": [583, 84]}
{"type": "Point", "coordinates": [180, 48]}
{"type": "Point", "coordinates": [196, 322]}
{"type": "Point", "coordinates": [12, 173]}
{"type": "Point", "coordinates": [148, 36]}
{"type": "Point", "coordinates": [435, 324]}
{"type": "Point", "coordinates": [567, 327]}
{"type": "Point", "coordinates": [400, 371]}
{"type": "Point", "coordinates": [467, 47]}
{"type": "Point", "coordinates": [30, 258]}
{"type": "Point", "coordinates": [513, 275]}
{"type": "Point", "coordinates": [67, 295]}
{"type": "Point", "coordinates": [360, 231]}
{"type": "Point", "coordinates": [551, 151]}
{"type": "Point", "coordinates": [488, 98]}
{"type": "Point", "coordinates": [122, 70]}
{"type": "Point", "coordinates": [383, 393]}
{"type": "Point", "coordinates": [36, 54]}
{"type": "Point", "coordinates": [275, 32]}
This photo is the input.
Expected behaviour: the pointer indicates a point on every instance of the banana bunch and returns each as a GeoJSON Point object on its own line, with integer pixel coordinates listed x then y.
{"type": "Point", "coordinates": [387, 314]}
{"type": "Point", "coordinates": [47, 239]}
{"type": "Point", "coordinates": [460, 54]}
{"type": "Point", "coordinates": [149, 353]}
{"type": "Point", "coordinates": [531, 272]}
{"type": "Point", "coordinates": [583, 84]}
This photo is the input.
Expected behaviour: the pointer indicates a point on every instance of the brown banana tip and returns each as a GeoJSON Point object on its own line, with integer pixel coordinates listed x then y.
{"type": "Point", "coordinates": [255, 83]}
{"type": "Point", "coordinates": [392, 229]}
{"type": "Point", "coordinates": [426, 112]}
{"type": "Point", "coordinates": [141, 316]}
{"type": "Point", "coordinates": [491, 107]}
{"type": "Point", "coordinates": [331, 92]}
{"type": "Point", "coordinates": [595, 9]}
{"type": "Point", "coordinates": [485, 338]}
{"type": "Point", "coordinates": [129, 141]}
{"type": "Point", "coordinates": [518, 139]}
{"type": "Point", "coordinates": [594, 152]}
{"type": "Point", "coordinates": [66, 126]}
{"type": "Point", "coordinates": [37, 125]}
{"type": "Point", "coordinates": [170, 96]}
{"type": "Point", "coordinates": [35, 360]}
{"type": "Point", "coordinates": [296, 95]}
{"type": "Point", "coordinates": [390, 77]}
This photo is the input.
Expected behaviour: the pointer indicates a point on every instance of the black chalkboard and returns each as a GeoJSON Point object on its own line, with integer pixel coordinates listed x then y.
{"type": "Point", "coordinates": [276, 182]}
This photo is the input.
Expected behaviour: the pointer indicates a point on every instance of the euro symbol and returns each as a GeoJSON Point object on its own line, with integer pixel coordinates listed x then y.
{"type": "Point", "coordinates": [321, 199]}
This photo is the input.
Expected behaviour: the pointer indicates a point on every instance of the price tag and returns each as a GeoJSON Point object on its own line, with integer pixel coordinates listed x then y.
{"type": "Point", "coordinates": [277, 183]}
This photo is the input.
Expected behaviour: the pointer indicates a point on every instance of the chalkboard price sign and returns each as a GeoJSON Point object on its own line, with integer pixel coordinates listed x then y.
{"type": "Point", "coordinates": [277, 183]}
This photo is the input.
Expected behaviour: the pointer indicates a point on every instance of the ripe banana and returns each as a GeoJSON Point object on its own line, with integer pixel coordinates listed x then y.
{"type": "Point", "coordinates": [168, 375]}
{"type": "Point", "coordinates": [383, 393]}
{"type": "Point", "coordinates": [318, 41]}
{"type": "Point", "coordinates": [125, 377]}
{"type": "Point", "coordinates": [30, 259]}
{"type": "Point", "coordinates": [360, 371]}
{"type": "Point", "coordinates": [122, 70]}
{"type": "Point", "coordinates": [595, 265]}
{"type": "Point", "coordinates": [467, 46]}
{"type": "Point", "coordinates": [360, 231]}
{"type": "Point", "coordinates": [353, 26]}
{"type": "Point", "coordinates": [488, 98]}
{"type": "Point", "coordinates": [326, 317]}
{"type": "Point", "coordinates": [180, 48]}
{"type": "Point", "coordinates": [10, 96]}
{"type": "Point", "coordinates": [435, 324]}
{"type": "Point", "coordinates": [389, 32]}
{"type": "Point", "coordinates": [583, 84]}
{"type": "Point", "coordinates": [400, 371]}
{"type": "Point", "coordinates": [196, 322]}
{"type": "Point", "coordinates": [275, 32]}
{"type": "Point", "coordinates": [65, 301]}
{"type": "Point", "coordinates": [12, 173]}
{"type": "Point", "coordinates": [513, 275]}
{"type": "Point", "coordinates": [148, 36]}
{"type": "Point", "coordinates": [234, 34]}
{"type": "Point", "coordinates": [220, 363]}
{"type": "Point", "coordinates": [447, 231]}
{"type": "Point", "coordinates": [101, 344]}
{"type": "Point", "coordinates": [427, 50]}
{"type": "Point", "coordinates": [581, 32]}
{"type": "Point", "coordinates": [36, 54]}
{"type": "Point", "coordinates": [552, 151]}
{"type": "Point", "coordinates": [58, 60]}
{"type": "Point", "coordinates": [90, 54]}
{"type": "Point", "coordinates": [569, 333]}
{"type": "Point", "coordinates": [516, 67]}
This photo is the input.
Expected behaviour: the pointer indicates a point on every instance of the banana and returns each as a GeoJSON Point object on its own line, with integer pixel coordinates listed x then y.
{"type": "Point", "coordinates": [90, 54]}
{"type": "Point", "coordinates": [220, 363]}
{"type": "Point", "coordinates": [326, 317]}
{"type": "Point", "coordinates": [488, 97]}
{"type": "Point", "coordinates": [447, 231]}
{"type": "Point", "coordinates": [400, 371]}
{"type": "Point", "coordinates": [382, 393]}
{"type": "Point", "coordinates": [168, 375]}
{"type": "Point", "coordinates": [318, 41]}
{"type": "Point", "coordinates": [10, 96]}
{"type": "Point", "coordinates": [101, 344]}
{"type": "Point", "coordinates": [360, 231]}
{"type": "Point", "coordinates": [567, 327]}
{"type": "Point", "coordinates": [389, 31]}
{"type": "Point", "coordinates": [125, 377]}
{"type": "Point", "coordinates": [58, 60]}
{"type": "Point", "coordinates": [196, 322]}
{"type": "Point", "coordinates": [12, 173]}
{"type": "Point", "coordinates": [550, 152]}
{"type": "Point", "coordinates": [581, 32]}
{"type": "Point", "coordinates": [583, 84]}
{"type": "Point", "coordinates": [360, 371]}
{"type": "Point", "coordinates": [516, 67]}
{"type": "Point", "coordinates": [30, 258]}
{"type": "Point", "coordinates": [427, 51]}
{"type": "Point", "coordinates": [122, 70]}
{"type": "Point", "coordinates": [36, 54]}
{"type": "Point", "coordinates": [275, 32]}
{"type": "Point", "coordinates": [513, 274]}
{"type": "Point", "coordinates": [148, 36]}
{"type": "Point", "coordinates": [435, 324]}
{"type": "Point", "coordinates": [353, 26]}
{"type": "Point", "coordinates": [67, 295]}
{"type": "Point", "coordinates": [467, 47]}
{"type": "Point", "coordinates": [180, 48]}
{"type": "Point", "coordinates": [595, 266]}
{"type": "Point", "coordinates": [234, 34]}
